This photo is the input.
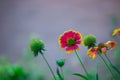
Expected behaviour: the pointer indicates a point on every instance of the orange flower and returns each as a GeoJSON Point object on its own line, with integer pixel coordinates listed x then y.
{"type": "Point", "coordinates": [110, 44]}
{"type": "Point", "coordinates": [70, 40]}
{"type": "Point", "coordinates": [92, 52]}
{"type": "Point", "coordinates": [116, 32]}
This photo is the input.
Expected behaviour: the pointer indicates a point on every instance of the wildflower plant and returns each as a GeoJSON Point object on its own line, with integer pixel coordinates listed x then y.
{"type": "Point", "coordinates": [37, 46]}
{"type": "Point", "coordinates": [60, 63]}
{"type": "Point", "coordinates": [93, 51]}
{"type": "Point", "coordinates": [70, 41]}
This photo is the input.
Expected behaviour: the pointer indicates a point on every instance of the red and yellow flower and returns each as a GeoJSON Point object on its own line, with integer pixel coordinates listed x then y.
{"type": "Point", "coordinates": [116, 32]}
{"type": "Point", "coordinates": [70, 40]}
{"type": "Point", "coordinates": [92, 52]}
{"type": "Point", "coordinates": [101, 48]}
{"type": "Point", "coordinates": [111, 44]}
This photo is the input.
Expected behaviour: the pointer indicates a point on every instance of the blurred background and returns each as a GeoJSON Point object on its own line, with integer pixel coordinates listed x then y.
{"type": "Point", "coordinates": [22, 20]}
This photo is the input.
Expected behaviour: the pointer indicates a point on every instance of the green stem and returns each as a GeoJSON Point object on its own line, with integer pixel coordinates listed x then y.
{"type": "Point", "coordinates": [49, 66]}
{"type": "Point", "coordinates": [108, 59]}
{"type": "Point", "coordinates": [81, 63]}
{"type": "Point", "coordinates": [106, 65]}
{"type": "Point", "coordinates": [62, 72]}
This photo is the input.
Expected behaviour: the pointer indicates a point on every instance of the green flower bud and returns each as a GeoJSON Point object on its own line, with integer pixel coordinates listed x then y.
{"type": "Point", "coordinates": [89, 40]}
{"type": "Point", "coordinates": [36, 46]}
{"type": "Point", "coordinates": [60, 62]}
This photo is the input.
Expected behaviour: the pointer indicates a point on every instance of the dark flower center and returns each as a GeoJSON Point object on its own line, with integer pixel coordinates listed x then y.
{"type": "Point", "coordinates": [71, 41]}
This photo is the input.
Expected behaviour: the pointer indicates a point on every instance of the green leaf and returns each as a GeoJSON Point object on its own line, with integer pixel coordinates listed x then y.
{"type": "Point", "coordinates": [116, 69]}
{"type": "Point", "coordinates": [81, 75]}
{"type": "Point", "coordinates": [59, 75]}
{"type": "Point", "coordinates": [97, 77]}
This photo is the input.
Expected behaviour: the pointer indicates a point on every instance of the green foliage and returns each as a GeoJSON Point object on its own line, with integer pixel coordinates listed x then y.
{"type": "Point", "coordinates": [97, 76]}
{"type": "Point", "coordinates": [25, 69]}
{"type": "Point", "coordinates": [81, 76]}
{"type": "Point", "coordinates": [12, 72]}
{"type": "Point", "coordinates": [117, 52]}
{"type": "Point", "coordinates": [116, 69]}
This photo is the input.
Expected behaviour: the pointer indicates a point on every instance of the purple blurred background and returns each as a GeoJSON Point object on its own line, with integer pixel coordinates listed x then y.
{"type": "Point", "coordinates": [19, 19]}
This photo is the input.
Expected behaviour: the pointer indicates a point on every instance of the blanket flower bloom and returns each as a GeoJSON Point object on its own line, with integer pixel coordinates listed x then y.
{"type": "Point", "coordinates": [111, 44]}
{"type": "Point", "coordinates": [100, 48]}
{"type": "Point", "coordinates": [37, 46]}
{"type": "Point", "coordinates": [116, 32]}
{"type": "Point", "coordinates": [92, 52]}
{"type": "Point", "coordinates": [70, 40]}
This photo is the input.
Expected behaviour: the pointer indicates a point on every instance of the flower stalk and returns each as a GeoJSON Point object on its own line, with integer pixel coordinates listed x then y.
{"type": "Point", "coordinates": [60, 63]}
{"type": "Point", "coordinates": [78, 57]}
{"type": "Point", "coordinates": [49, 66]}
{"type": "Point", "coordinates": [107, 65]}
{"type": "Point", "coordinates": [62, 72]}
{"type": "Point", "coordinates": [108, 59]}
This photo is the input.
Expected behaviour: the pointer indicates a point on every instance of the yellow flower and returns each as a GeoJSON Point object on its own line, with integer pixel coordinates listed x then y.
{"type": "Point", "coordinates": [116, 32]}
